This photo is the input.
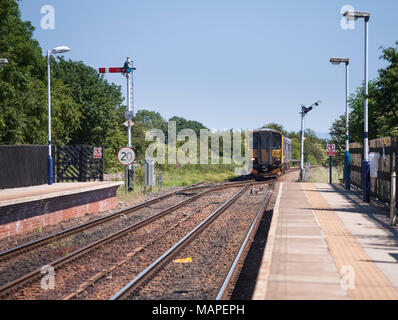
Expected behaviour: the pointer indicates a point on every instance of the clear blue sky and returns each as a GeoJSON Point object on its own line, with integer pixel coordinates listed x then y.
{"type": "Point", "coordinates": [225, 63]}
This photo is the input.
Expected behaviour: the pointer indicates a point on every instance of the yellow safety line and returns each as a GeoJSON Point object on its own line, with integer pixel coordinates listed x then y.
{"type": "Point", "coordinates": [369, 282]}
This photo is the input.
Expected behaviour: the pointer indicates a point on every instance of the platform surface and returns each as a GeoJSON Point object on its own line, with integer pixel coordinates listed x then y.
{"type": "Point", "coordinates": [325, 243]}
{"type": "Point", "coordinates": [33, 193]}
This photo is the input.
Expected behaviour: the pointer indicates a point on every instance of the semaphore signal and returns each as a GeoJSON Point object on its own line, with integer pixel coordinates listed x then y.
{"type": "Point", "coordinates": [127, 71]}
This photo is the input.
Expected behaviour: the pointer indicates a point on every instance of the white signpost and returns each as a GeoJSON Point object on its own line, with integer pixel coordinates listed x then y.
{"type": "Point", "coordinates": [126, 156]}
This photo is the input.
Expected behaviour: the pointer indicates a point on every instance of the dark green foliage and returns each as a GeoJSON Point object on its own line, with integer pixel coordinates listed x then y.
{"type": "Point", "coordinates": [182, 123]}
{"type": "Point", "coordinates": [337, 134]}
{"type": "Point", "coordinates": [314, 148]}
{"type": "Point", "coordinates": [276, 126]}
{"type": "Point", "coordinates": [383, 104]}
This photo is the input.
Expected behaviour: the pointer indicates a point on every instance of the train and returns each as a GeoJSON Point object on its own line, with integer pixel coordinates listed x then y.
{"type": "Point", "coordinates": [271, 152]}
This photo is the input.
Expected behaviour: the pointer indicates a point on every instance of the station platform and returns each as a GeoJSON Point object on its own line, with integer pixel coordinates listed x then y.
{"type": "Point", "coordinates": [23, 210]}
{"type": "Point", "coordinates": [324, 243]}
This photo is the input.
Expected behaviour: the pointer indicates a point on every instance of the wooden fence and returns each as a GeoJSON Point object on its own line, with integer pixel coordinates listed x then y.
{"type": "Point", "coordinates": [380, 156]}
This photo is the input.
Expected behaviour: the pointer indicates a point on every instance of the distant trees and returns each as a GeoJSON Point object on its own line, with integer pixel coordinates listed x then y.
{"type": "Point", "coordinates": [86, 109]}
{"type": "Point", "coordinates": [314, 148]}
{"type": "Point", "coordinates": [337, 137]}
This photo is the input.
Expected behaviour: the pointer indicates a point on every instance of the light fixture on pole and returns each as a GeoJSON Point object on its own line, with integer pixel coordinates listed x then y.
{"type": "Point", "coordinates": [56, 50]}
{"type": "Point", "coordinates": [354, 15]}
{"type": "Point", "coordinates": [347, 167]}
{"type": "Point", "coordinates": [3, 62]}
{"type": "Point", "coordinates": [303, 112]}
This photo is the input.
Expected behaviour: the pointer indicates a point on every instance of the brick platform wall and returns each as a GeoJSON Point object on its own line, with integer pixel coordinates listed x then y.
{"type": "Point", "coordinates": [26, 217]}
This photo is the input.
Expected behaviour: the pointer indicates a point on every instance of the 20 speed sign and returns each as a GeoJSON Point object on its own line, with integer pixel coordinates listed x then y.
{"type": "Point", "coordinates": [126, 156]}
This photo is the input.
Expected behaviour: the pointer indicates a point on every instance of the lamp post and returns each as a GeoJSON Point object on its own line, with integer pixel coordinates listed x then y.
{"type": "Point", "coordinates": [56, 50]}
{"type": "Point", "coordinates": [354, 15]}
{"type": "Point", "coordinates": [3, 62]}
{"type": "Point", "coordinates": [303, 112]}
{"type": "Point", "coordinates": [347, 167]}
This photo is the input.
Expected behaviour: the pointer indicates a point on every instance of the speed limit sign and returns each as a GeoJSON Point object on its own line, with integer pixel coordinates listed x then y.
{"type": "Point", "coordinates": [126, 156]}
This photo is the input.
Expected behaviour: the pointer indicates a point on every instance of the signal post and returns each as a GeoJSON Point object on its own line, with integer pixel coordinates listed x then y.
{"type": "Point", "coordinates": [127, 71]}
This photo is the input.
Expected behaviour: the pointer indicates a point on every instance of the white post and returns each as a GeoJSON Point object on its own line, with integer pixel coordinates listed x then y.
{"type": "Point", "coordinates": [128, 171]}
{"type": "Point", "coordinates": [50, 160]}
{"type": "Point", "coordinates": [302, 144]}
{"type": "Point", "coordinates": [393, 216]}
{"type": "Point", "coordinates": [366, 143]}
{"type": "Point", "coordinates": [365, 163]}
{"type": "Point", "coordinates": [347, 144]}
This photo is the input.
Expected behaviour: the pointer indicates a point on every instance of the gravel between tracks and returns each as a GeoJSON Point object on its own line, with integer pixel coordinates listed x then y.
{"type": "Point", "coordinates": [211, 254]}
{"type": "Point", "coordinates": [22, 263]}
{"type": "Point", "coordinates": [13, 241]}
{"type": "Point", "coordinates": [70, 276]}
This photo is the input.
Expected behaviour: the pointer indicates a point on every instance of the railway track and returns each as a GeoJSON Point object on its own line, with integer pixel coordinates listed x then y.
{"type": "Point", "coordinates": [165, 280]}
{"type": "Point", "coordinates": [69, 231]}
{"type": "Point", "coordinates": [30, 277]}
{"type": "Point", "coordinates": [35, 254]}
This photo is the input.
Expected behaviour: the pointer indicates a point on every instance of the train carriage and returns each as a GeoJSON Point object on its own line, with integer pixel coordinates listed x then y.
{"type": "Point", "coordinates": [271, 152]}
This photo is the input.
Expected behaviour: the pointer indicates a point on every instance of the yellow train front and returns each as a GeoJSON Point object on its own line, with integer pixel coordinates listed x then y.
{"type": "Point", "coordinates": [271, 152]}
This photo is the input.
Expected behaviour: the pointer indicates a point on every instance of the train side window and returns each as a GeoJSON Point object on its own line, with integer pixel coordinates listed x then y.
{"type": "Point", "coordinates": [255, 141]}
{"type": "Point", "coordinates": [276, 142]}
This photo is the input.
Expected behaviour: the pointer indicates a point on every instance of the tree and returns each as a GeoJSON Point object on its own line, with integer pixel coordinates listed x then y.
{"type": "Point", "coordinates": [23, 88]}
{"type": "Point", "coordinates": [386, 94]}
{"type": "Point", "coordinates": [275, 126]}
{"type": "Point", "coordinates": [182, 123]}
{"type": "Point", "coordinates": [337, 134]}
{"type": "Point", "coordinates": [382, 101]}
{"type": "Point", "coordinates": [151, 120]}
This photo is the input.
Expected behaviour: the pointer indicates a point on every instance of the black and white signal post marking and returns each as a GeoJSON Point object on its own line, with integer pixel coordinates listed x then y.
{"type": "Point", "coordinates": [127, 71]}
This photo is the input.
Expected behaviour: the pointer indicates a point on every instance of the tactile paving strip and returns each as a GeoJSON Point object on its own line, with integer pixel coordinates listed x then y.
{"type": "Point", "coordinates": [368, 282]}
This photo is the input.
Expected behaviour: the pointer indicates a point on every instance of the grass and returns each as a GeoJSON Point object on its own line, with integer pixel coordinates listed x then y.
{"type": "Point", "coordinates": [321, 175]}
{"type": "Point", "coordinates": [190, 174]}
{"type": "Point", "coordinates": [175, 176]}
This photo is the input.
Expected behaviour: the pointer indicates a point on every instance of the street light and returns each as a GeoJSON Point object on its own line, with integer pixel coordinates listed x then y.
{"type": "Point", "coordinates": [354, 15]}
{"type": "Point", "coordinates": [56, 50]}
{"type": "Point", "coordinates": [347, 180]}
{"type": "Point", "coordinates": [3, 62]}
{"type": "Point", "coordinates": [304, 111]}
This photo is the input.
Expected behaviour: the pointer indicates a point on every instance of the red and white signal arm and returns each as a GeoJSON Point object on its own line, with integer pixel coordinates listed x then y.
{"type": "Point", "coordinates": [126, 156]}
{"type": "Point", "coordinates": [330, 149]}
{"type": "Point", "coordinates": [97, 152]}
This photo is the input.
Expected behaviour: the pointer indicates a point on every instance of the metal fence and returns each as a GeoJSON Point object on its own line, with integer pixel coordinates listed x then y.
{"type": "Point", "coordinates": [77, 163]}
{"type": "Point", "coordinates": [26, 165]}
{"type": "Point", "coordinates": [380, 155]}
{"type": "Point", "coordinates": [23, 165]}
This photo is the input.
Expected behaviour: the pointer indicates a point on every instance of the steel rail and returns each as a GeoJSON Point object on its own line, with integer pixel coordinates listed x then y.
{"type": "Point", "coordinates": [222, 186]}
{"type": "Point", "coordinates": [74, 255]}
{"type": "Point", "coordinates": [223, 293]}
{"type": "Point", "coordinates": [72, 230]}
{"type": "Point", "coordinates": [175, 249]}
